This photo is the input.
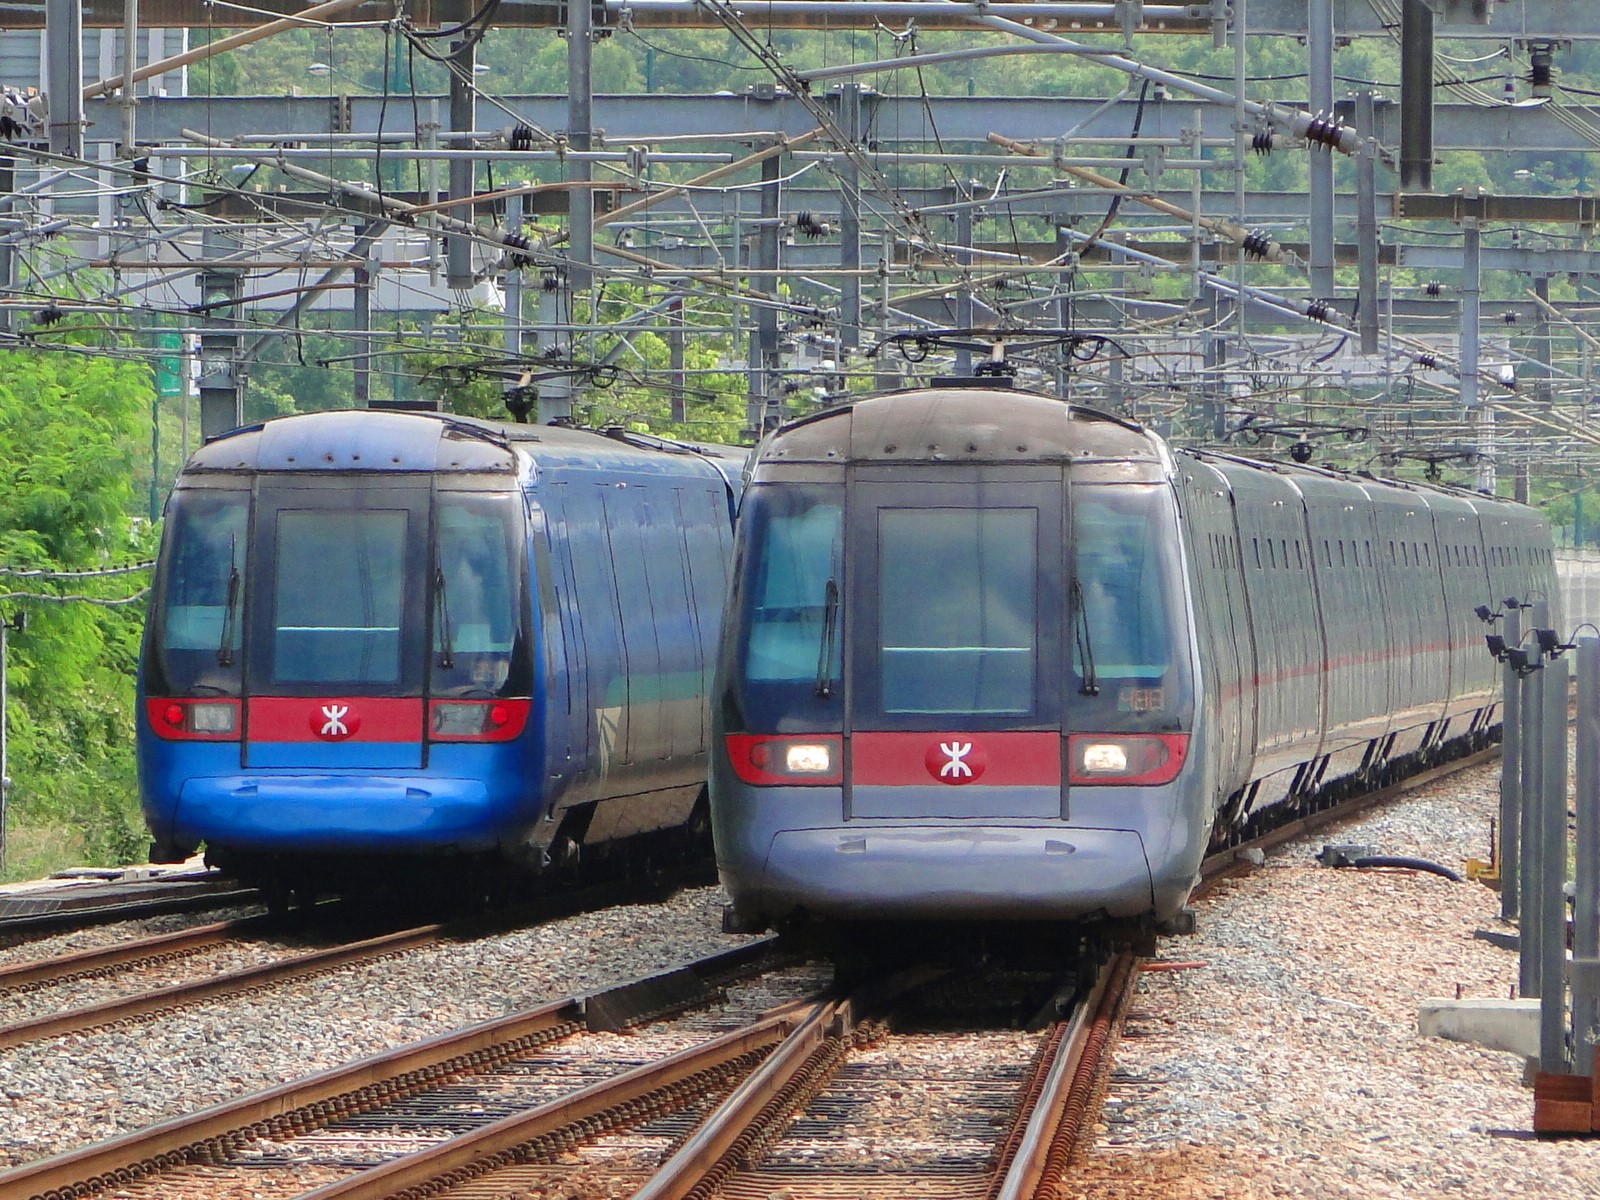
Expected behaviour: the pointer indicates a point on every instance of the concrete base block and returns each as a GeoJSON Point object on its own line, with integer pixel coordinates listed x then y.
{"type": "Point", "coordinates": [1510, 1025]}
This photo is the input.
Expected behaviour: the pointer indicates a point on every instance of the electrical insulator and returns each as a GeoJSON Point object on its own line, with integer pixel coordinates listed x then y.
{"type": "Point", "coordinates": [807, 225]}
{"type": "Point", "coordinates": [1317, 310]}
{"type": "Point", "coordinates": [1324, 131]}
{"type": "Point", "coordinates": [1434, 288]}
{"type": "Point", "coordinates": [1427, 361]}
{"type": "Point", "coordinates": [1540, 73]}
{"type": "Point", "coordinates": [1256, 243]}
{"type": "Point", "coordinates": [1261, 143]}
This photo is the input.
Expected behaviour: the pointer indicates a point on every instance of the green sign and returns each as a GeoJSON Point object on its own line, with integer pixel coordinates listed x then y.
{"type": "Point", "coordinates": [169, 368]}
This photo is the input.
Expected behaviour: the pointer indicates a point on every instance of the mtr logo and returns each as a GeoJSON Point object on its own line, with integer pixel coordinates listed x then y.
{"type": "Point", "coordinates": [334, 722]}
{"type": "Point", "coordinates": [956, 761]}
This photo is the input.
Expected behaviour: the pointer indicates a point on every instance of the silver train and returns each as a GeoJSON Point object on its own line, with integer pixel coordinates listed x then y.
{"type": "Point", "coordinates": [990, 657]}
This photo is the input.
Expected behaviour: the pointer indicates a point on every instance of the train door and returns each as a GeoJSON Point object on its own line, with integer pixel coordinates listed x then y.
{"type": "Point", "coordinates": [567, 544]}
{"type": "Point", "coordinates": [338, 621]}
{"type": "Point", "coordinates": [556, 652]}
{"type": "Point", "coordinates": [954, 660]}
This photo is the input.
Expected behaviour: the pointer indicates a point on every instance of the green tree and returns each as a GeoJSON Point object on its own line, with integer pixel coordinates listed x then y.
{"type": "Point", "coordinates": [69, 429]}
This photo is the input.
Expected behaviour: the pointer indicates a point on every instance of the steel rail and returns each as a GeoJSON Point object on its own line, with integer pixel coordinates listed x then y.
{"type": "Point", "coordinates": [770, 1092]}
{"type": "Point", "coordinates": [362, 1085]}
{"type": "Point", "coordinates": [160, 947]}
{"type": "Point", "coordinates": [1059, 1115]}
{"type": "Point", "coordinates": [652, 1087]}
{"type": "Point", "coordinates": [193, 992]}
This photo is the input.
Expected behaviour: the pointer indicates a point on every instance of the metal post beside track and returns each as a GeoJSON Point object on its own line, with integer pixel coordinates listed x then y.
{"type": "Point", "coordinates": [1586, 875]}
{"type": "Point", "coordinates": [1509, 852]}
{"type": "Point", "coordinates": [1532, 859]}
{"type": "Point", "coordinates": [1551, 805]}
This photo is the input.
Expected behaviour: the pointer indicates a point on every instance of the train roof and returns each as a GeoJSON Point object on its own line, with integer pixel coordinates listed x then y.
{"type": "Point", "coordinates": [961, 424]}
{"type": "Point", "coordinates": [384, 440]}
{"type": "Point", "coordinates": [1431, 493]}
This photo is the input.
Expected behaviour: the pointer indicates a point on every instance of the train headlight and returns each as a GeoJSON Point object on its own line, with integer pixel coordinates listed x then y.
{"type": "Point", "coordinates": [808, 759]}
{"type": "Point", "coordinates": [1125, 758]}
{"type": "Point", "coordinates": [785, 761]}
{"type": "Point", "coordinates": [1105, 758]}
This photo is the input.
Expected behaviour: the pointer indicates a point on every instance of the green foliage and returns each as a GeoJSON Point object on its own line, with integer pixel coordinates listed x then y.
{"type": "Point", "coordinates": [69, 428]}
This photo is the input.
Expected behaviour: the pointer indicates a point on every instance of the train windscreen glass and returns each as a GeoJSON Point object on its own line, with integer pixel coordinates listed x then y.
{"type": "Point", "coordinates": [338, 597]}
{"type": "Point", "coordinates": [477, 597]}
{"type": "Point", "coordinates": [957, 641]}
{"type": "Point", "coordinates": [201, 595]}
{"type": "Point", "coordinates": [787, 617]}
{"type": "Point", "coordinates": [1128, 637]}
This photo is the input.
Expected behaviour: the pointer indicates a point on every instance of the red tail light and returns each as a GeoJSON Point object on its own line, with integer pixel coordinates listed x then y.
{"type": "Point", "coordinates": [193, 720]}
{"type": "Point", "coordinates": [1125, 758]}
{"type": "Point", "coordinates": [477, 720]}
{"type": "Point", "coordinates": [786, 761]}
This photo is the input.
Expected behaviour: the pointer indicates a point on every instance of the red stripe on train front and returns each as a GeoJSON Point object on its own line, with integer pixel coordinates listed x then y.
{"type": "Point", "coordinates": [333, 719]}
{"type": "Point", "coordinates": [989, 759]}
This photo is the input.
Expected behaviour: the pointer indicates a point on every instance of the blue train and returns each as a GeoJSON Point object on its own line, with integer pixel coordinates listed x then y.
{"type": "Point", "coordinates": [378, 634]}
{"type": "Point", "coordinates": [993, 658]}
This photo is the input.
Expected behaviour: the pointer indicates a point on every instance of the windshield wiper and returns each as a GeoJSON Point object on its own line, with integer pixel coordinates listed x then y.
{"type": "Point", "coordinates": [1081, 639]}
{"type": "Point", "coordinates": [447, 658]}
{"type": "Point", "coordinates": [229, 613]}
{"type": "Point", "coordinates": [830, 623]}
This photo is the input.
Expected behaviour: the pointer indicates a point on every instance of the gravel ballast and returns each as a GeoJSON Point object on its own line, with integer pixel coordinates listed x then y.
{"type": "Point", "coordinates": [1289, 1063]}
{"type": "Point", "coordinates": [59, 1094]}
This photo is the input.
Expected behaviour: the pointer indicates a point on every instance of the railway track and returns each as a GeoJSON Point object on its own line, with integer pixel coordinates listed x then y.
{"type": "Point", "coordinates": [159, 954]}
{"type": "Point", "coordinates": [731, 1074]}
{"type": "Point", "coordinates": [717, 1079]}
{"type": "Point", "coordinates": [154, 1002]}
{"type": "Point", "coordinates": [455, 1099]}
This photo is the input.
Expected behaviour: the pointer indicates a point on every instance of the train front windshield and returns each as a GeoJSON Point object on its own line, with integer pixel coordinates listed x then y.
{"type": "Point", "coordinates": [1128, 642]}
{"type": "Point", "coordinates": [787, 615]}
{"type": "Point", "coordinates": [333, 592]}
{"type": "Point", "coordinates": [969, 613]}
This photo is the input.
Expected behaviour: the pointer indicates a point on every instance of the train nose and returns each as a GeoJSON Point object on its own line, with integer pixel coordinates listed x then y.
{"type": "Point", "coordinates": [332, 813]}
{"type": "Point", "coordinates": [989, 872]}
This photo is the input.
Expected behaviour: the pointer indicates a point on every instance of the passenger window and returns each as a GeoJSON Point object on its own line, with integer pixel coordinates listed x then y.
{"type": "Point", "coordinates": [475, 620]}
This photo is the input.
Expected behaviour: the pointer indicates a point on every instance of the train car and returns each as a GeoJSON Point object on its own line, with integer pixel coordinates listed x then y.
{"type": "Point", "coordinates": [993, 658]}
{"type": "Point", "coordinates": [379, 634]}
